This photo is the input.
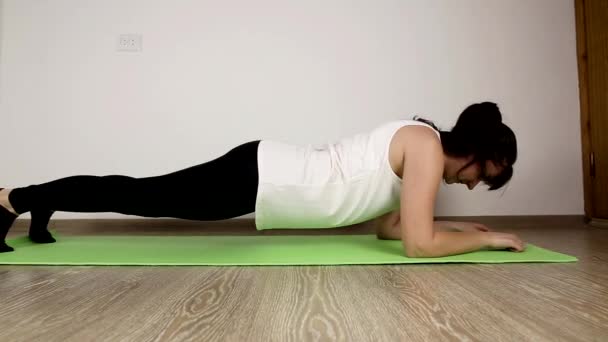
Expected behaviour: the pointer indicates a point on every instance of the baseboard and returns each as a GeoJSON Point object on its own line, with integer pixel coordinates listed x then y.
{"type": "Point", "coordinates": [141, 223]}
{"type": "Point", "coordinates": [248, 224]}
{"type": "Point", "coordinates": [243, 226]}
{"type": "Point", "coordinates": [598, 222]}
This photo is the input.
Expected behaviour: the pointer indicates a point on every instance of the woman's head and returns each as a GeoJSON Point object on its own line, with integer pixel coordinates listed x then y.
{"type": "Point", "coordinates": [485, 148]}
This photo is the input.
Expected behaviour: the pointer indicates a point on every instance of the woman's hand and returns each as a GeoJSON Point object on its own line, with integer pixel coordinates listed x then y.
{"type": "Point", "coordinates": [462, 226]}
{"type": "Point", "coordinates": [506, 241]}
{"type": "Point", "coordinates": [494, 240]}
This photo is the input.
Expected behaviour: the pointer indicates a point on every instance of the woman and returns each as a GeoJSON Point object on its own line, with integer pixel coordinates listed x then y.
{"type": "Point", "coordinates": [391, 173]}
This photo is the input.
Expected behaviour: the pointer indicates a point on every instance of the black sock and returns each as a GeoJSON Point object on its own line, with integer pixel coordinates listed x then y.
{"type": "Point", "coordinates": [39, 232]}
{"type": "Point", "coordinates": [6, 221]}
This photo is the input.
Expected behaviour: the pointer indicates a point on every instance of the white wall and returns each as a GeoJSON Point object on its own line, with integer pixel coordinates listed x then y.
{"type": "Point", "coordinates": [214, 74]}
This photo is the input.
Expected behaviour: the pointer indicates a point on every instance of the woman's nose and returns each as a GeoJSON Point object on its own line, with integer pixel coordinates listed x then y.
{"type": "Point", "coordinates": [473, 184]}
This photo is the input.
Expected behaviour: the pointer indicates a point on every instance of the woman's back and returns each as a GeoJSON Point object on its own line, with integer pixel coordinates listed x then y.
{"type": "Point", "coordinates": [338, 184]}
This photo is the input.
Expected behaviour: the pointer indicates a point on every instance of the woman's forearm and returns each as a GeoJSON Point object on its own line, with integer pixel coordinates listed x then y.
{"type": "Point", "coordinates": [451, 243]}
{"type": "Point", "coordinates": [445, 241]}
{"type": "Point", "coordinates": [393, 232]}
{"type": "Point", "coordinates": [445, 226]}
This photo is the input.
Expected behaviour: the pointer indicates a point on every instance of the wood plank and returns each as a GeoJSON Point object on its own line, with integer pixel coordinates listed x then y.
{"type": "Point", "coordinates": [519, 302]}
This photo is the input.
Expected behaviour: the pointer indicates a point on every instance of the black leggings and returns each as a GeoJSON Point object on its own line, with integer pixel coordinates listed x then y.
{"type": "Point", "coordinates": [219, 189]}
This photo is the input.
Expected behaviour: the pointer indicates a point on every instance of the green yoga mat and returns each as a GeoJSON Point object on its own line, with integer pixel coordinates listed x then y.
{"type": "Point", "coordinates": [243, 250]}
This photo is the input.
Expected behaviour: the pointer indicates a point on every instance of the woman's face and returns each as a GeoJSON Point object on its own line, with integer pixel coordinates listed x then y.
{"type": "Point", "coordinates": [471, 173]}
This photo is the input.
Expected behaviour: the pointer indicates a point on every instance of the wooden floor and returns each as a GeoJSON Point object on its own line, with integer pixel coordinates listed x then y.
{"type": "Point", "coordinates": [425, 302]}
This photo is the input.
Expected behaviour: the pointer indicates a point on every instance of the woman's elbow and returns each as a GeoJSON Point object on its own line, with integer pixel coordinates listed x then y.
{"type": "Point", "coordinates": [414, 254]}
{"type": "Point", "coordinates": [417, 252]}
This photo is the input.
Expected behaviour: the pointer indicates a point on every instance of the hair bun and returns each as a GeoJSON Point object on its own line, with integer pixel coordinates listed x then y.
{"type": "Point", "coordinates": [479, 116]}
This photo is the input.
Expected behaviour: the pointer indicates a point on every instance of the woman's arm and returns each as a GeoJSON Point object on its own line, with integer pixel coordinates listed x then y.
{"type": "Point", "coordinates": [388, 226]}
{"type": "Point", "coordinates": [422, 174]}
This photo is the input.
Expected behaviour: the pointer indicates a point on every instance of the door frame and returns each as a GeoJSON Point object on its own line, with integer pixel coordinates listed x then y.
{"type": "Point", "coordinates": [587, 148]}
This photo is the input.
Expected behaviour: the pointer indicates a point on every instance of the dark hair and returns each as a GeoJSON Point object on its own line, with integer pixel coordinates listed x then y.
{"type": "Point", "coordinates": [479, 131]}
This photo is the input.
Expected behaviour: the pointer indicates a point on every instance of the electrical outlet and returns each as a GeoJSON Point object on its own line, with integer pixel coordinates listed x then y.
{"type": "Point", "coordinates": [129, 42]}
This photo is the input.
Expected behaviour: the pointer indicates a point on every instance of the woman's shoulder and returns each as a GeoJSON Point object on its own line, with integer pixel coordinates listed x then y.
{"type": "Point", "coordinates": [412, 139]}
{"type": "Point", "coordinates": [416, 132]}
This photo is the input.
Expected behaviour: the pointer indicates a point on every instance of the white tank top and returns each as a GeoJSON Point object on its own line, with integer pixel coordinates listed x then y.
{"type": "Point", "coordinates": [337, 184]}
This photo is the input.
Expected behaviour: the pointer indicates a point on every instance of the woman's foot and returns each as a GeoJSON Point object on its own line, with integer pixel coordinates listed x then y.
{"type": "Point", "coordinates": [39, 232]}
{"type": "Point", "coordinates": [6, 221]}
{"type": "Point", "coordinates": [7, 217]}
{"type": "Point", "coordinates": [38, 227]}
